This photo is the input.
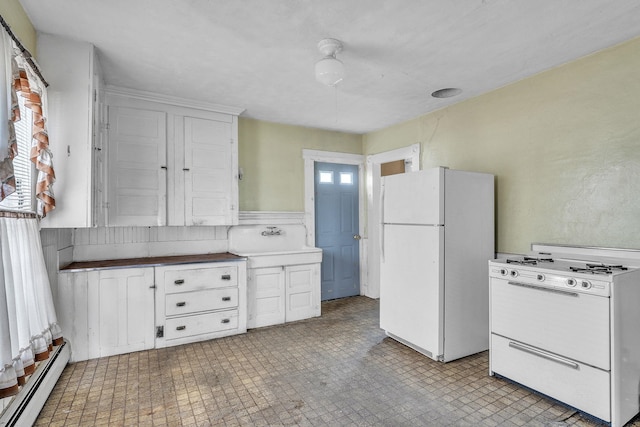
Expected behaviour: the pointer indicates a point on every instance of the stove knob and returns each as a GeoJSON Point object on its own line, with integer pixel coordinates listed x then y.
{"type": "Point", "coordinates": [504, 271]}
{"type": "Point", "coordinates": [540, 277]}
{"type": "Point", "coordinates": [585, 284]}
{"type": "Point", "coordinates": [514, 273]}
{"type": "Point", "coordinates": [571, 282]}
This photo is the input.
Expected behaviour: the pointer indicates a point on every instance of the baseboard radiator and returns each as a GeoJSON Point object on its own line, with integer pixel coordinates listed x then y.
{"type": "Point", "coordinates": [27, 404]}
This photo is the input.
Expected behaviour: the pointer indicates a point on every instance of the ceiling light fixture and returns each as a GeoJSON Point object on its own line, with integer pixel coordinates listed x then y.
{"type": "Point", "coordinates": [329, 70]}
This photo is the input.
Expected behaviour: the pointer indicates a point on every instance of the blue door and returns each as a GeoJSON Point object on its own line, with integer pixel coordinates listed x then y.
{"type": "Point", "coordinates": [336, 204]}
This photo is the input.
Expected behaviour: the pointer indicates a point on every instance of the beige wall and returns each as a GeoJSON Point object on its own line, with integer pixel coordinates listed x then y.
{"type": "Point", "coordinates": [270, 155]}
{"type": "Point", "coordinates": [564, 146]}
{"type": "Point", "coordinates": [14, 15]}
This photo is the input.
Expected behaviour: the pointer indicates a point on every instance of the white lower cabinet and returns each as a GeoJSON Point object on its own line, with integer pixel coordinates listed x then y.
{"type": "Point", "coordinates": [196, 303]}
{"type": "Point", "coordinates": [106, 312]}
{"type": "Point", "coordinates": [115, 311]}
{"type": "Point", "coordinates": [302, 291]}
{"type": "Point", "coordinates": [283, 294]}
{"type": "Point", "coordinates": [266, 301]}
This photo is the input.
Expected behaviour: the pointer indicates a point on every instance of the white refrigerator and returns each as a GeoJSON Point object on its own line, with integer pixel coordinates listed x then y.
{"type": "Point", "coordinates": [438, 234]}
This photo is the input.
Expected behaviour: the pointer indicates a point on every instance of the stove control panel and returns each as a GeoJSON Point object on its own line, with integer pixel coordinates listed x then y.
{"type": "Point", "coordinates": [548, 278]}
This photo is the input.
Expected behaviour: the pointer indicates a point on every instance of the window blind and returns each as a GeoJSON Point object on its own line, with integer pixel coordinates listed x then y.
{"type": "Point", "coordinates": [22, 198]}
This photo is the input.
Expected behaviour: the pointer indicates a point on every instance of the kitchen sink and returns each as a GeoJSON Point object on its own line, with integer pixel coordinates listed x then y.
{"type": "Point", "coordinates": [271, 246]}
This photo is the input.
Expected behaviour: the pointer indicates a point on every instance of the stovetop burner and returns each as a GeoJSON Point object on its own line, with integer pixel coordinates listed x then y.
{"type": "Point", "coordinates": [598, 268]}
{"type": "Point", "coordinates": [567, 265]}
{"type": "Point", "coordinates": [528, 260]}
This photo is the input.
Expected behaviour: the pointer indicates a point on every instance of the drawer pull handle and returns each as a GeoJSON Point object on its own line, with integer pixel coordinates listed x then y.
{"type": "Point", "coordinates": [181, 304]}
{"type": "Point", "coordinates": [226, 277]}
{"type": "Point", "coordinates": [179, 281]}
{"type": "Point", "coordinates": [226, 298]}
{"type": "Point", "coordinates": [540, 288]}
{"type": "Point", "coordinates": [181, 328]}
{"type": "Point", "coordinates": [544, 355]}
{"type": "Point", "coordinates": [226, 320]}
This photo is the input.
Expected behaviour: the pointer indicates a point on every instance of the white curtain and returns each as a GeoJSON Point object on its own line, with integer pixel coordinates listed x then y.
{"type": "Point", "coordinates": [7, 179]}
{"type": "Point", "coordinates": [8, 377]}
{"type": "Point", "coordinates": [28, 324]}
{"type": "Point", "coordinates": [28, 321]}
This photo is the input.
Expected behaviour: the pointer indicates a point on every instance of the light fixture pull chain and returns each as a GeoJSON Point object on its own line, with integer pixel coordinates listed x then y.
{"type": "Point", "coordinates": [335, 88]}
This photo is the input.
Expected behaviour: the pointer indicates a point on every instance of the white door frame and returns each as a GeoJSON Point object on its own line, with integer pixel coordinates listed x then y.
{"type": "Point", "coordinates": [312, 156]}
{"type": "Point", "coordinates": [411, 156]}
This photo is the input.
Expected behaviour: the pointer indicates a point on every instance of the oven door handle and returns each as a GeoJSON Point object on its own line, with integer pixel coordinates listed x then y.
{"type": "Point", "coordinates": [540, 288]}
{"type": "Point", "coordinates": [544, 355]}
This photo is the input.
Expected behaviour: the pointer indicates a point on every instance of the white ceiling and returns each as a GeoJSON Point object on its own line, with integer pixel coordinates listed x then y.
{"type": "Point", "coordinates": [260, 54]}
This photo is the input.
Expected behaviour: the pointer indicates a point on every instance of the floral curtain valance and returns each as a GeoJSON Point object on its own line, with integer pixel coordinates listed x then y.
{"type": "Point", "coordinates": [25, 83]}
{"type": "Point", "coordinates": [29, 87]}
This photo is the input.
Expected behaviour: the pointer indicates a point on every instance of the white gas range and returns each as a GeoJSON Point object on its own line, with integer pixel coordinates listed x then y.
{"type": "Point", "coordinates": [565, 321]}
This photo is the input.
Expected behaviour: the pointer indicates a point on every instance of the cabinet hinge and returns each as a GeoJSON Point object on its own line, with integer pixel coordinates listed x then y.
{"type": "Point", "coordinates": [231, 141]}
{"type": "Point", "coordinates": [159, 331]}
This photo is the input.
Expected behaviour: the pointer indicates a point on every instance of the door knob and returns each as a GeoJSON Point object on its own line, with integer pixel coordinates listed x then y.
{"type": "Point", "coordinates": [357, 236]}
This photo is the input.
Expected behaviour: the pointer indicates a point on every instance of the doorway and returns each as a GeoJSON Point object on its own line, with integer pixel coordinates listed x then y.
{"type": "Point", "coordinates": [401, 160]}
{"type": "Point", "coordinates": [311, 157]}
{"type": "Point", "coordinates": [337, 228]}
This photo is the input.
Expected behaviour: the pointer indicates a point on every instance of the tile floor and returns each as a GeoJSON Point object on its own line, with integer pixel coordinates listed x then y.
{"type": "Point", "coordinates": [336, 370]}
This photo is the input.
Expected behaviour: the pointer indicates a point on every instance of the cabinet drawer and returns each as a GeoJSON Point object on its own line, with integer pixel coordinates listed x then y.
{"type": "Point", "coordinates": [199, 278]}
{"type": "Point", "coordinates": [193, 302]}
{"type": "Point", "coordinates": [576, 384]}
{"type": "Point", "coordinates": [200, 324]}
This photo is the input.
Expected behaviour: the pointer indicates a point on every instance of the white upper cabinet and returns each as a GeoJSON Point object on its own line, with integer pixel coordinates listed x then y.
{"type": "Point", "coordinates": [209, 151]}
{"type": "Point", "coordinates": [72, 70]}
{"type": "Point", "coordinates": [137, 167]}
{"type": "Point", "coordinates": [169, 163]}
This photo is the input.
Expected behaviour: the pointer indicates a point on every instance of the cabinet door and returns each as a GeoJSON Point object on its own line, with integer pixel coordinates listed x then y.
{"type": "Point", "coordinates": [72, 310]}
{"type": "Point", "coordinates": [69, 66]}
{"type": "Point", "coordinates": [121, 312]}
{"type": "Point", "coordinates": [100, 151]}
{"type": "Point", "coordinates": [302, 291]}
{"type": "Point", "coordinates": [266, 297]}
{"type": "Point", "coordinates": [209, 179]}
{"type": "Point", "coordinates": [137, 167]}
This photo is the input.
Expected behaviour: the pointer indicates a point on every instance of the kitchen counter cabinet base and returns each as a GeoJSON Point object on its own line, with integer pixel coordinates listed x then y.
{"type": "Point", "coordinates": [104, 313]}
{"type": "Point", "coordinates": [283, 294]}
{"type": "Point", "coordinates": [109, 311]}
{"type": "Point", "coordinates": [201, 302]}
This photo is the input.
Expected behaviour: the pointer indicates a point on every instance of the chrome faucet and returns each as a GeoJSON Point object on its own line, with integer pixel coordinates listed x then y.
{"type": "Point", "coordinates": [272, 231]}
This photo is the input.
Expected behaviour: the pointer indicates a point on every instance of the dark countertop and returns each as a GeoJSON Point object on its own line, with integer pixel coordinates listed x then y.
{"type": "Point", "coordinates": [150, 261]}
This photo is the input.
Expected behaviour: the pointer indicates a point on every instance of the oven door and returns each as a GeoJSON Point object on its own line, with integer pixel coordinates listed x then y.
{"type": "Point", "coordinates": [570, 324]}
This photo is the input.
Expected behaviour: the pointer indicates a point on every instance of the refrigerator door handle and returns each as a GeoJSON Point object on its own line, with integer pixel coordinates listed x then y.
{"type": "Point", "coordinates": [382, 202]}
{"type": "Point", "coordinates": [381, 239]}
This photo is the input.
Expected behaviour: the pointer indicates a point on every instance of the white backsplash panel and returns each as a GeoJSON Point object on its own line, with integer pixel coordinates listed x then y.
{"type": "Point", "coordinates": [133, 242]}
{"type": "Point", "coordinates": [246, 239]}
